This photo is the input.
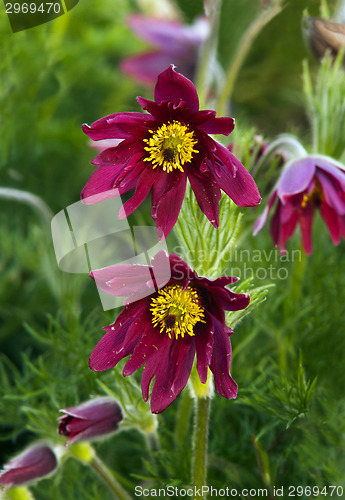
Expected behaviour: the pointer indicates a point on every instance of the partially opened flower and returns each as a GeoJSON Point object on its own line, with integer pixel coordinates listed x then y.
{"type": "Point", "coordinates": [306, 184]}
{"type": "Point", "coordinates": [96, 418]}
{"type": "Point", "coordinates": [35, 462]}
{"type": "Point", "coordinates": [163, 148]}
{"type": "Point", "coordinates": [173, 43]}
{"type": "Point", "coordinates": [168, 328]}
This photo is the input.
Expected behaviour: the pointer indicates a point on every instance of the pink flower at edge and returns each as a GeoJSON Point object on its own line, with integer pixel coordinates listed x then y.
{"type": "Point", "coordinates": [164, 148]}
{"type": "Point", "coordinates": [92, 419]}
{"type": "Point", "coordinates": [306, 184]}
{"type": "Point", "coordinates": [173, 42]}
{"type": "Point", "coordinates": [35, 462]}
{"type": "Point", "coordinates": [167, 329]}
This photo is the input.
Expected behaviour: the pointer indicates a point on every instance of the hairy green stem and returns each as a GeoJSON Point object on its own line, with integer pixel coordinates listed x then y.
{"type": "Point", "coordinates": [104, 473]}
{"type": "Point", "coordinates": [202, 409]}
{"type": "Point", "coordinates": [245, 44]}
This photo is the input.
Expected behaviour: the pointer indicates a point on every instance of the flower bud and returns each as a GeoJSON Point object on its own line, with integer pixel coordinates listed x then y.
{"type": "Point", "coordinates": [322, 35]}
{"type": "Point", "coordinates": [35, 462]}
{"type": "Point", "coordinates": [91, 419]}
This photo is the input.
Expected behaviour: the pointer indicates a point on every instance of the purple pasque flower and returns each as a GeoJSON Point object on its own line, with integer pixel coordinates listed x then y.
{"type": "Point", "coordinates": [307, 184]}
{"type": "Point", "coordinates": [174, 43]}
{"type": "Point", "coordinates": [168, 328]}
{"type": "Point", "coordinates": [90, 420]}
{"type": "Point", "coordinates": [163, 148]}
{"type": "Point", "coordinates": [33, 463]}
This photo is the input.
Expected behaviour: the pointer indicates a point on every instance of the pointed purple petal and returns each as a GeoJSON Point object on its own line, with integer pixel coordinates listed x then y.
{"type": "Point", "coordinates": [208, 196]}
{"type": "Point", "coordinates": [118, 342]}
{"type": "Point", "coordinates": [166, 210]}
{"type": "Point", "coordinates": [235, 180]}
{"type": "Point", "coordinates": [332, 191]}
{"type": "Point", "coordinates": [287, 229]}
{"type": "Point", "coordinates": [172, 373]}
{"type": "Point", "coordinates": [146, 67]}
{"type": "Point", "coordinates": [221, 358]}
{"type": "Point", "coordinates": [144, 184]}
{"type": "Point", "coordinates": [165, 34]}
{"type": "Point", "coordinates": [204, 345]}
{"type": "Point", "coordinates": [207, 121]}
{"type": "Point", "coordinates": [150, 342]}
{"type": "Point", "coordinates": [261, 220]}
{"type": "Point", "coordinates": [100, 186]}
{"type": "Point", "coordinates": [306, 223]}
{"type": "Point", "coordinates": [296, 177]}
{"type": "Point", "coordinates": [173, 87]}
{"type": "Point", "coordinates": [117, 126]}
{"type": "Point", "coordinates": [331, 219]}
{"type": "Point", "coordinates": [94, 409]}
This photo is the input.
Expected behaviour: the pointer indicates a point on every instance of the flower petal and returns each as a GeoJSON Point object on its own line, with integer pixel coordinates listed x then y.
{"type": "Point", "coordinates": [221, 358]}
{"type": "Point", "coordinates": [165, 34]}
{"type": "Point", "coordinates": [296, 177]}
{"type": "Point", "coordinates": [150, 343]}
{"type": "Point", "coordinates": [208, 196]}
{"type": "Point", "coordinates": [118, 342]}
{"type": "Point", "coordinates": [287, 229]}
{"type": "Point", "coordinates": [144, 184]}
{"type": "Point", "coordinates": [203, 345]}
{"type": "Point", "coordinates": [331, 219]}
{"type": "Point", "coordinates": [332, 191]}
{"type": "Point", "coordinates": [146, 67]}
{"type": "Point", "coordinates": [235, 180]}
{"type": "Point", "coordinates": [261, 220]}
{"type": "Point", "coordinates": [172, 373]}
{"type": "Point", "coordinates": [207, 121]}
{"type": "Point", "coordinates": [173, 87]}
{"type": "Point", "coordinates": [166, 209]}
{"type": "Point", "coordinates": [118, 126]}
{"type": "Point", "coordinates": [306, 223]}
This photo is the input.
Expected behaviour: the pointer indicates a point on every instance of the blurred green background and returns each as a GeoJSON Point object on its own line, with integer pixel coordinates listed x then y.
{"type": "Point", "coordinates": [280, 430]}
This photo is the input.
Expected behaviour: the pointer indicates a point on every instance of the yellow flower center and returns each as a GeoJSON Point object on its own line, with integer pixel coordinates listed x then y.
{"type": "Point", "coordinates": [315, 195]}
{"type": "Point", "coordinates": [170, 146]}
{"type": "Point", "coordinates": [176, 311]}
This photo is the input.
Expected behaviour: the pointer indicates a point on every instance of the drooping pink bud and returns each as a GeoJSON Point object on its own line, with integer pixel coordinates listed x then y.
{"type": "Point", "coordinates": [35, 462]}
{"type": "Point", "coordinates": [90, 420]}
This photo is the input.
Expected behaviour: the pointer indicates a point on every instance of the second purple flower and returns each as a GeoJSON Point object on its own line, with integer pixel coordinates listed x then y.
{"type": "Point", "coordinates": [163, 148]}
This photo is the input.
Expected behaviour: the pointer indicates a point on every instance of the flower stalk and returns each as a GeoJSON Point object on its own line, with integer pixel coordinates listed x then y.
{"type": "Point", "coordinates": [86, 454]}
{"type": "Point", "coordinates": [104, 473]}
{"type": "Point", "coordinates": [246, 42]}
{"type": "Point", "coordinates": [199, 465]}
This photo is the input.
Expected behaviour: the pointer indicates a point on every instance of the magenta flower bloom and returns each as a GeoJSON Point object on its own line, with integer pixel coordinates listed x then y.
{"type": "Point", "coordinates": [174, 43]}
{"type": "Point", "coordinates": [167, 329]}
{"type": "Point", "coordinates": [163, 148]}
{"type": "Point", "coordinates": [33, 463]}
{"type": "Point", "coordinates": [305, 185]}
{"type": "Point", "coordinates": [90, 420]}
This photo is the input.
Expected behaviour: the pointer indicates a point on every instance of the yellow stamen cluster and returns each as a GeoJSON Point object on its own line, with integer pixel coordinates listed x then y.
{"type": "Point", "coordinates": [176, 311]}
{"type": "Point", "coordinates": [315, 195]}
{"type": "Point", "coordinates": [170, 146]}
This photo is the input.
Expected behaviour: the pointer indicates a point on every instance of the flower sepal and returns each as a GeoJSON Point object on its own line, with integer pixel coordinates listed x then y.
{"type": "Point", "coordinates": [17, 493]}
{"type": "Point", "coordinates": [83, 452]}
{"type": "Point", "coordinates": [197, 388]}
